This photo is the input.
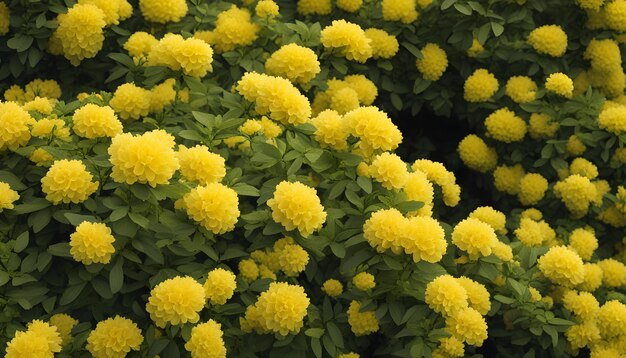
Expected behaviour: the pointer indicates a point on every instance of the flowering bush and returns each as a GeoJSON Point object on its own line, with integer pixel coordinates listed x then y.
{"type": "Point", "coordinates": [237, 178]}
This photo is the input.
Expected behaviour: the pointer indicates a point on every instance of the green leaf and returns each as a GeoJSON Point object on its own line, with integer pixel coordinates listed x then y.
{"type": "Point", "coordinates": [116, 276]}
{"type": "Point", "coordinates": [335, 334]}
{"type": "Point", "coordinates": [246, 189]}
{"type": "Point", "coordinates": [14, 182]}
{"type": "Point", "coordinates": [463, 9]}
{"type": "Point", "coordinates": [190, 135]}
{"type": "Point", "coordinates": [71, 293]}
{"type": "Point", "coordinates": [34, 204]}
{"type": "Point", "coordinates": [21, 242]}
{"type": "Point", "coordinates": [77, 219]}
{"type": "Point", "coordinates": [61, 249]}
{"type": "Point", "coordinates": [497, 29]}
{"type": "Point", "coordinates": [148, 247]}
{"type": "Point", "coordinates": [4, 278]}
{"type": "Point", "coordinates": [551, 331]}
{"type": "Point", "coordinates": [139, 220]}
{"type": "Point", "coordinates": [315, 332]}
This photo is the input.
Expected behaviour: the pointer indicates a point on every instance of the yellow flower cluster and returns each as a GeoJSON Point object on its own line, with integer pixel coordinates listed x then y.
{"type": "Point", "coordinates": [276, 96]}
{"type": "Point", "coordinates": [206, 341]}
{"type": "Point", "coordinates": [80, 33]}
{"type": "Point", "coordinates": [476, 154]}
{"type": "Point", "coordinates": [64, 324]}
{"type": "Point", "coordinates": [399, 10]}
{"type": "Point", "coordinates": [14, 126]}
{"type": "Point", "coordinates": [7, 196]}
{"type": "Point", "coordinates": [349, 5]}
{"type": "Point", "coordinates": [50, 127]}
{"type": "Point", "coordinates": [577, 193]}
{"type": "Point", "coordinates": [36, 88]}
{"type": "Point", "coordinates": [130, 101]}
{"type": "Point", "coordinates": [332, 287]}
{"type": "Point", "coordinates": [214, 205]}
{"type": "Point", "coordinates": [419, 188]}
{"type": "Point", "coordinates": [297, 63]}
{"type": "Point", "coordinates": [560, 84]}
{"type": "Point", "coordinates": [68, 181]}
{"type": "Point", "coordinates": [374, 128]}
{"type": "Point", "coordinates": [433, 63]}
{"type": "Point", "coordinates": [199, 165]}
{"type": "Point", "coordinates": [331, 130]}
{"type": "Point", "coordinates": [505, 126]}
{"type": "Point", "coordinates": [139, 44]}
{"type": "Point", "coordinates": [383, 44]}
{"type": "Point", "coordinates": [176, 301]}
{"type": "Point", "coordinates": [507, 179]}
{"type": "Point", "coordinates": [389, 170]}
{"type": "Point", "coordinates": [163, 11]}
{"type": "Point", "coordinates": [114, 10]}
{"type": "Point", "coordinates": [542, 126]}
{"type": "Point", "coordinates": [361, 323]}
{"type": "Point", "coordinates": [193, 55]}
{"type": "Point", "coordinates": [314, 7]}
{"type": "Point", "coordinates": [364, 281]}
{"type": "Point", "coordinates": [613, 273]}
{"type": "Point", "coordinates": [39, 104]}
{"type": "Point", "coordinates": [521, 89]}
{"type": "Point", "coordinates": [92, 243]}
{"type": "Point", "coordinates": [613, 119]}
{"type": "Point", "coordinates": [477, 295]}
{"type": "Point", "coordinates": [529, 232]}
{"type": "Point", "coordinates": [347, 38]}
{"type": "Point", "coordinates": [446, 295]}
{"type": "Point", "coordinates": [474, 237]}
{"type": "Point", "coordinates": [266, 9]}
{"type": "Point", "coordinates": [532, 188]}
{"type": "Point", "coordinates": [39, 340]}
{"type": "Point", "coordinates": [219, 286]}
{"type": "Point", "coordinates": [281, 309]}
{"type": "Point", "coordinates": [468, 325]}
{"type": "Point", "coordinates": [439, 175]}
{"type": "Point", "coordinates": [490, 216]}
{"type": "Point", "coordinates": [233, 29]}
{"type": "Point", "coordinates": [289, 257]}
{"type": "Point", "coordinates": [114, 337]}
{"type": "Point", "coordinates": [615, 15]}
{"type": "Point", "coordinates": [562, 266]}
{"type": "Point", "coordinates": [480, 86]}
{"type": "Point", "coordinates": [549, 39]}
{"type": "Point", "coordinates": [346, 95]}
{"type": "Point", "coordinates": [93, 121]}
{"type": "Point", "coordinates": [297, 206]}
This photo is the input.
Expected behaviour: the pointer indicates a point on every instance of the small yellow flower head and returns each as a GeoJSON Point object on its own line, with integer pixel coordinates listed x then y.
{"type": "Point", "coordinates": [111, 9]}
{"type": "Point", "coordinates": [5, 17]}
{"type": "Point", "coordinates": [593, 5]}
{"type": "Point", "coordinates": [281, 309]}
{"type": "Point", "coordinates": [584, 242]}
{"type": "Point", "coordinates": [220, 286]}
{"type": "Point", "coordinates": [449, 347]}
{"type": "Point", "coordinates": [148, 158]}
{"type": "Point", "coordinates": [504, 126]}
{"type": "Point", "coordinates": [433, 63]}
{"type": "Point", "coordinates": [39, 104]}
{"type": "Point", "coordinates": [366, 90]}
{"type": "Point", "coordinates": [349, 355]}
{"type": "Point", "coordinates": [28, 344]}
{"type": "Point", "coordinates": [592, 278]}
{"type": "Point", "coordinates": [468, 325]}
{"type": "Point", "coordinates": [15, 93]}
{"type": "Point", "coordinates": [562, 266]}
{"type": "Point", "coordinates": [399, 10]}
{"type": "Point", "coordinates": [474, 237]}
{"type": "Point", "coordinates": [42, 88]}
{"type": "Point", "coordinates": [163, 11]}
{"type": "Point", "coordinates": [488, 215]}
{"type": "Point", "coordinates": [47, 331]}
{"type": "Point", "coordinates": [176, 301]}
{"type": "Point", "coordinates": [521, 89]}
{"type": "Point", "coordinates": [130, 101]}
{"type": "Point", "coordinates": [215, 206]}
{"type": "Point", "coordinates": [7, 196]}
{"type": "Point", "coordinates": [199, 165]}
{"type": "Point", "coordinates": [383, 229]}
{"type": "Point", "coordinates": [532, 188]}
{"type": "Point", "coordinates": [294, 62]}
{"type": "Point", "coordinates": [364, 281]}
{"type": "Point", "coordinates": [389, 170]}
{"type": "Point", "coordinates": [446, 295]}
{"type": "Point", "coordinates": [361, 323]}
{"type": "Point", "coordinates": [477, 294]}
{"type": "Point", "coordinates": [233, 28]}
{"type": "Point", "coordinates": [613, 119]}
{"type": "Point", "coordinates": [542, 126]}
{"type": "Point", "coordinates": [549, 39]}
{"type": "Point", "coordinates": [576, 192]}
{"type": "Point", "coordinates": [480, 86]}
{"type": "Point", "coordinates": [206, 341]}
{"type": "Point", "coordinates": [583, 167]}
{"type": "Point", "coordinates": [560, 84]}
{"type": "Point", "coordinates": [68, 181]}
{"type": "Point", "coordinates": [344, 100]}
{"type": "Point", "coordinates": [93, 121]}
{"type": "Point", "coordinates": [290, 257]}
{"type": "Point", "coordinates": [575, 146]}
{"type": "Point", "coordinates": [41, 158]}
{"type": "Point", "coordinates": [48, 127]}
{"type": "Point", "coordinates": [507, 179]}
{"type": "Point", "coordinates": [583, 334]}
{"type": "Point", "coordinates": [163, 53]}
{"type": "Point", "coordinates": [612, 319]}
{"type": "Point", "coordinates": [535, 295]}
{"type": "Point", "coordinates": [583, 304]}
{"type": "Point", "coordinates": [248, 269]}
{"type": "Point", "coordinates": [331, 130]}
{"type": "Point", "coordinates": [267, 9]}
{"type": "Point", "coordinates": [314, 7]}
{"type": "Point", "coordinates": [92, 243]}
{"type": "Point", "coordinates": [195, 57]}
{"type": "Point", "coordinates": [297, 206]}
{"type": "Point", "coordinates": [503, 251]}
{"type": "Point", "coordinates": [349, 5]}
{"type": "Point", "coordinates": [114, 337]}
{"type": "Point", "coordinates": [332, 287]}
{"type": "Point", "coordinates": [383, 44]}
{"type": "Point", "coordinates": [532, 213]}
{"type": "Point", "coordinates": [14, 126]}
{"type": "Point", "coordinates": [139, 44]}
{"type": "Point", "coordinates": [349, 39]}
{"type": "Point", "coordinates": [64, 324]}
{"type": "Point", "coordinates": [613, 273]}
{"type": "Point", "coordinates": [80, 32]}
{"type": "Point", "coordinates": [162, 95]}
{"type": "Point", "coordinates": [615, 15]}
{"type": "Point", "coordinates": [424, 238]}
{"type": "Point", "coordinates": [374, 128]}
{"type": "Point", "coordinates": [475, 153]}
{"type": "Point", "coordinates": [476, 49]}
{"type": "Point", "coordinates": [604, 55]}
{"type": "Point", "coordinates": [419, 188]}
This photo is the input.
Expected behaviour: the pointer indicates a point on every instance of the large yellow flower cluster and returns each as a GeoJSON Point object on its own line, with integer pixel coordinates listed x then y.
{"type": "Point", "coordinates": [613, 119]}
{"type": "Point", "coordinates": [233, 28]}
{"type": "Point", "coordinates": [15, 125]}
{"type": "Point", "coordinates": [560, 84]}
{"type": "Point", "coordinates": [68, 181]}
{"type": "Point", "coordinates": [399, 10]}
{"type": "Point", "coordinates": [474, 237]}
{"type": "Point", "coordinates": [139, 44]}
{"type": "Point", "coordinates": [577, 193]}
{"type": "Point", "coordinates": [276, 96]}
{"type": "Point", "coordinates": [162, 11]}
{"type": "Point", "coordinates": [193, 55]}
{"type": "Point", "coordinates": [433, 63]}
{"type": "Point", "coordinates": [562, 266]}
{"type": "Point", "coordinates": [389, 170]}
{"type": "Point", "coordinates": [93, 121]}
{"type": "Point", "coordinates": [219, 286]}
{"type": "Point", "coordinates": [199, 165]}
{"type": "Point", "coordinates": [532, 188]}
{"type": "Point", "coordinates": [331, 130]}
{"type": "Point", "coordinates": [206, 341]}
{"type": "Point", "coordinates": [476, 154]}
{"type": "Point", "coordinates": [468, 325]}
{"type": "Point", "coordinates": [297, 63]}
{"type": "Point", "coordinates": [40, 340]}
{"type": "Point", "coordinates": [503, 125]}
{"type": "Point", "coordinates": [297, 206]}
{"type": "Point", "coordinates": [446, 295]}
{"type": "Point", "coordinates": [176, 301]}
{"type": "Point", "coordinates": [480, 86]}
{"type": "Point", "coordinates": [549, 39]}
{"type": "Point", "coordinates": [114, 337]}
{"type": "Point", "coordinates": [349, 39]}
{"type": "Point", "coordinates": [584, 242]}
{"type": "Point", "coordinates": [374, 128]}
{"type": "Point", "coordinates": [80, 34]}
{"type": "Point", "coordinates": [92, 243]}
{"type": "Point", "coordinates": [383, 44]}
{"type": "Point", "coordinates": [361, 323]}
{"type": "Point", "coordinates": [214, 205]}
{"type": "Point", "coordinates": [131, 101]}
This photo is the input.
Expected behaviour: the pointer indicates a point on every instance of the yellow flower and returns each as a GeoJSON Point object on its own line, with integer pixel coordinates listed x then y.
{"type": "Point", "coordinates": [5, 17]}
{"type": "Point", "coordinates": [314, 7]}
{"type": "Point", "coordinates": [42, 88]}
{"type": "Point", "coordinates": [383, 44]}
{"type": "Point", "coordinates": [560, 84]}
{"type": "Point", "coordinates": [446, 295]}
{"type": "Point", "coordinates": [449, 347]}
{"type": "Point", "coordinates": [583, 167]}
{"type": "Point", "coordinates": [39, 104]}
{"type": "Point", "coordinates": [281, 309]}
{"type": "Point", "coordinates": [615, 15]}
{"type": "Point", "coordinates": [140, 43]}
{"type": "Point", "coordinates": [584, 242]}
{"type": "Point", "coordinates": [163, 53]}
{"type": "Point", "coordinates": [532, 188]}
{"type": "Point", "coordinates": [176, 301]}
{"type": "Point", "coordinates": [475, 49]}
{"type": "Point", "coordinates": [28, 344]}
{"type": "Point", "coordinates": [80, 32]}
{"type": "Point", "coordinates": [332, 287]}
{"type": "Point", "coordinates": [92, 243]}
{"type": "Point", "coordinates": [215, 206]}
{"type": "Point", "coordinates": [488, 215]}
{"type": "Point", "coordinates": [366, 90]}
{"type": "Point", "coordinates": [389, 170]}
{"type": "Point", "coordinates": [424, 238]}
{"type": "Point", "coordinates": [40, 157]}
{"type": "Point", "coordinates": [474, 237]}
{"type": "Point", "coordinates": [220, 286]}
{"type": "Point", "coordinates": [364, 281]}
{"type": "Point", "coordinates": [583, 334]}
{"type": "Point", "coordinates": [542, 126]}
{"type": "Point", "coordinates": [14, 126]}
{"type": "Point", "coordinates": [419, 188]}
{"type": "Point", "coordinates": [433, 63]}
{"type": "Point", "coordinates": [361, 323]}
{"type": "Point", "coordinates": [529, 233]}
{"type": "Point", "coordinates": [331, 130]}
{"type": "Point", "coordinates": [349, 355]}
{"type": "Point", "coordinates": [503, 125]}
{"type": "Point", "coordinates": [383, 230]}
{"type": "Point", "coordinates": [604, 55]}
{"type": "Point", "coordinates": [507, 179]}
{"type": "Point", "coordinates": [583, 304]}
{"type": "Point", "coordinates": [374, 128]}
{"type": "Point", "coordinates": [502, 251]}
{"type": "Point", "coordinates": [475, 153]}
{"type": "Point", "coordinates": [576, 192]}
{"type": "Point", "coordinates": [162, 95]}
{"type": "Point", "coordinates": [349, 5]}
{"type": "Point", "coordinates": [162, 11]}
{"type": "Point", "coordinates": [480, 86]}
{"type": "Point", "coordinates": [248, 270]}
{"type": "Point", "coordinates": [233, 28]}
{"type": "Point", "coordinates": [198, 164]}
{"type": "Point", "coordinates": [294, 62]}
{"type": "Point", "coordinates": [195, 57]}
{"type": "Point", "coordinates": [297, 206]}
{"type": "Point", "coordinates": [612, 319]}
{"type": "Point", "coordinates": [148, 158]}
{"type": "Point", "coordinates": [68, 181]}
{"type": "Point", "coordinates": [93, 121]}
{"type": "Point", "coordinates": [114, 337]}
{"type": "Point", "coordinates": [613, 273]}
{"type": "Point", "coordinates": [291, 258]}
{"type": "Point", "coordinates": [349, 39]}
{"type": "Point", "coordinates": [613, 119]}
{"type": "Point", "coordinates": [47, 331]}
{"type": "Point", "coordinates": [521, 89]}
{"type": "Point", "coordinates": [594, 5]}
{"type": "Point", "coordinates": [48, 127]}
{"type": "Point", "coordinates": [7, 196]}
{"type": "Point", "coordinates": [438, 174]}
{"type": "Point", "coordinates": [266, 9]}
{"type": "Point", "coordinates": [64, 324]}
{"type": "Point", "coordinates": [549, 39]}
{"type": "Point", "coordinates": [477, 294]}
{"type": "Point", "coordinates": [206, 341]}
{"type": "Point", "coordinates": [468, 325]}
{"type": "Point", "coordinates": [111, 9]}
{"type": "Point", "coordinates": [344, 100]}
{"type": "Point", "coordinates": [592, 278]}
{"type": "Point", "coordinates": [399, 10]}
{"type": "Point", "coordinates": [562, 266]}
{"type": "Point", "coordinates": [130, 101]}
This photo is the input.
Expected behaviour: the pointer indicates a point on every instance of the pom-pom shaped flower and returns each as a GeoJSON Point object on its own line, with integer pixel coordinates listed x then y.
{"type": "Point", "coordinates": [114, 337]}
{"type": "Point", "coordinates": [47, 331]}
{"type": "Point", "coordinates": [14, 126]}
{"type": "Point", "coordinates": [195, 57]}
{"type": "Point", "coordinates": [297, 206]}
{"type": "Point", "coordinates": [206, 341]}
{"type": "Point", "coordinates": [594, 5]}
{"type": "Point", "coordinates": [281, 309]}
{"type": "Point", "coordinates": [532, 188]}
{"type": "Point", "coordinates": [502, 251]}
{"type": "Point", "coordinates": [529, 232]}
{"type": "Point", "coordinates": [584, 242]}
{"type": "Point", "coordinates": [383, 230]}
{"type": "Point", "coordinates": [148, 158]}
{"type": "Point", "coordinates": [294, 62]}
{"type": "Point", "coordinates": [28, 344]}
{"type": "Point", "coordinates": [521, 89]}
{"type": "Point", "coordinates": [50, 127]}
{"type": "Point", "coordinates": [503, 125]}
{"type": "Point", "coordinates": [349, 5]}
{"type": "Point", "coordinates": [576, 192]}
{"type": "Point", "coordinates": [331, 130]}
{"type": "Point", "coordinates": [162, 11]}
{"type": "Point", "coordinates": [364, 281]}
{"type": "Point", "coordinates": [474, 237]}
{"type": "Point", "coordinates": [290, 257]}
{"type": "Point", "coordinates": [433, 63]}
{"type": "Point", "coordinates": [389, 170]}
{"type": "Point", "coordinates": [583, 304]}
{"type": "Point", "coordinates": [332, 287]}
{"type": "Point", "coordinates": [562, 266]}
{"type": "Point", "coordinates": [41, 105]}
{"type": "Point", "coordinates": [42, 88]}
{"type": "Point", "coordinates": [476, 154]}
{"type": "Point", "coordinates": [592, 278]}
{"type": "Point", "coordinates": [613, 273]}
{"type": "Point", "coordinates": [233, 28]}
{"type": "Point", "coordinates": [424, 238]}
{"type": "Point", "coordinates": [604, 55]}
{"type": "Point", "coordinates": [374, 128]}
{"type": "Point", "coordinates": [477, 295]}
{"type": "Point", "coordinates": [446, 295]}
{"type": "Point", "coordinates": [198, 164]}
{"type": "Point", "coordinates": [215, 206]}
{"type": "Point", "coordinates": [491, 216]}
{"type": "Point", "coordinates": [64, 324]}
{"type": "Point", "coordinates": [130, 101]}
{"type": "Point", "coordinates": [80, 32]}
{"type": "Point", "coordinates": [560, 84]}
{"type": "Point", "coordinates": [450, 347]}
{"type": "Point", "coordinates": [468, 325]}
{"type": "Point", "coordinates": [361, 323]}
{"type": "Point", "coordinates": [419, 188]}
{"type": "Point", "coordinates": [176, 301]}
{"type": "Point", "coordinates": [162, 95]}
{"type": "Point", "coordinates": [314, 7]}
{"type": "Point", "coordinates": [248, 269]}
{"type": "Point", "coordinates": [542, 126]}
{"type": "Point", "coordinates": [7, 196]}
{"type": "Point", "coordinates": [266, 9]}
{"type": "Point", "coordinates": [139, 44]}
{"type": "Point", "coordinates": [613, 119]}
{"type": "Point", "coordinates": [399, 10]}
{"type": "Point", "coordinates": [344, 100]}
{"type": "Point", "coordinates": [583, 334]}
{"type": "Point", "coordinates": [68, 181]}
{"type": "Point", "coordinates": [92, 243]}
{"type": "Point", "coordinates": [480, 86]}
{"type": "Point", "coordinates": [383, 44]}
{"type": "Point", "coordinates": [549, 39]}
{"type": "Point", "coordinates": [349, 39]}
{"type": "Point", "coordinates": [41, 158]}
{"type": "Point", "coordinates": [365, 89]}
{"type": "Point", "coordinates": [507, 179]}
{"type": "Point", "coordinates": [615, 15]}
{"type": "Point", "coordinates": [219, 286]}
{"type": "Point", "coordinates": [612, 319]}
{"type": "Point", "coordinates": [93, 121]}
